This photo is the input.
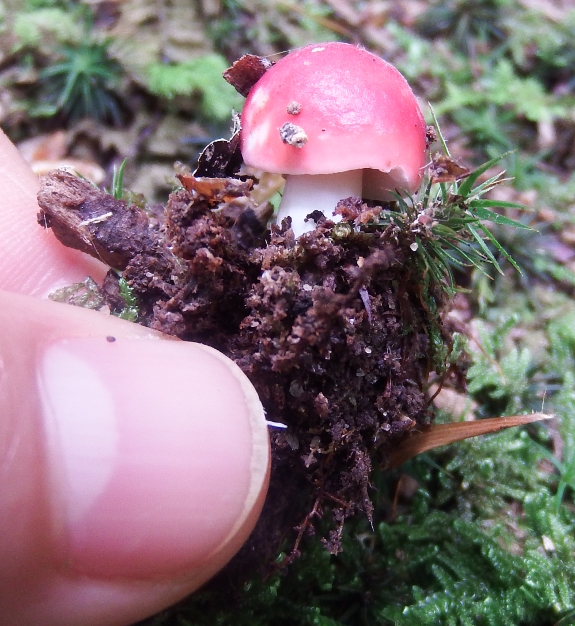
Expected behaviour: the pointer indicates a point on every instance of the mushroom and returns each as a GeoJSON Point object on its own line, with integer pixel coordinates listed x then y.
{"type": "Point", "coordinates": [337, 121]}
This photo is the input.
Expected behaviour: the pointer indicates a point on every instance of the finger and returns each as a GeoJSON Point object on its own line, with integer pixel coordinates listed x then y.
{"type": "Point", "coordinates": [133, 467]}
{"type": "Point", "coordinates": [32, 261]}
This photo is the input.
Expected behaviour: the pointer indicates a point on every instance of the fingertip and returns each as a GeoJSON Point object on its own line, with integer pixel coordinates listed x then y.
{"type": "Point", "coordinates": [33, 261]}
{"type": "Point", "coordinates": [166, 443]}
{"type": "Point", "coordinates": [154, 459]}
{"type": "Point", "coordinates": [260, 459]}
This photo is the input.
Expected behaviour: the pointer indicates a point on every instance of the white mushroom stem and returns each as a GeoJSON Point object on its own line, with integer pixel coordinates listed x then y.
{"type": "Point", "coordinates": [306, 193]}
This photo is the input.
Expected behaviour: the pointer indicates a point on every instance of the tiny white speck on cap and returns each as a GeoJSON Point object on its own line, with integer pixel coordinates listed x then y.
{"type": "Point", "coordinates": [318, 49]}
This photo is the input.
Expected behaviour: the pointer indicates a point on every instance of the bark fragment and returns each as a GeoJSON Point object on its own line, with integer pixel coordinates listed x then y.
{"type": "Point", "coordinates": [87, 219]}
{"type": "Point", "coordinates": [246, 72]}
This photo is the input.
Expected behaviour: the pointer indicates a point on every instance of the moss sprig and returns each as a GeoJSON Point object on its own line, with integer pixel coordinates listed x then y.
{"type": "Point", "coordinates": [444, 223]}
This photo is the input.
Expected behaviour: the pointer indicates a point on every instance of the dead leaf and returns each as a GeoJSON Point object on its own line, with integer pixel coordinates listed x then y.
{"type": "Point", "coordinates": [246, 72]}
{"type": "Point", "coordinates": [220, 158]}
{"type": "Point", "coordinates": [45, 153]}
{"type": "Point", "coordinates": [444, 169]}
{"type": "Point", "coordinates": [87, 169]}
{"type": "Point", "coordinates": [150, 31]}
{"type": "Point", "coordinates": [457, 404]}
{"type": "Point", "coordinates": [266, 185]}
{"type": "Point", "coordinates": [430, 136]}
{"type": "Point", "coordinates": [49, 147]}
{"type": "Point", "coordinates": [215, 190]}
{"type": "Point", "coordinates": [438, 435]}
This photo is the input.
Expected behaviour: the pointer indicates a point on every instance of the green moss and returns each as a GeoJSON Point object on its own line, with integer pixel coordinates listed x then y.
{"type": "Point", "coordinates": [131, 311]}
{"type": "Point", "coordinates": [31, 27]}
{"type": "Point", "coordinates": [201, 75]}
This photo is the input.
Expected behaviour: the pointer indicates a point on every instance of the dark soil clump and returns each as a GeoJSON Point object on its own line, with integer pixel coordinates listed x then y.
{"type": "Point", "coordinates": [334, 329]}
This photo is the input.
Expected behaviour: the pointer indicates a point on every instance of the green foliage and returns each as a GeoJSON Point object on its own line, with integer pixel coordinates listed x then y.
{"type": "Point", "coordinates": [488, 538]}
{"type": "Point", "coordinates": [445, 225]}
{"type": "Point", "coordinates": [471, 577]}
{"type": "Point", "coordinates": [542, 45]}
{"type": "Point", "coordinates": [33, 5]}
{"type": "Point", "coordinates": [61, 24]}
{"type": "Point", "coordinates": [545, 266]}
{"type": "Point", "coordinates": [80, 77]}
{"type": "Point", "coordinates": [505, 378]}
{"type": "Point", "coordinates": [504, 88]}
{"type": "Point", "coordinates": [201, 75]}
{"type": "Point", "coordinates": [561, 368]}
{"type": "Point", "coordinates": [131, 311]}
{"type": "Point", "coordinates": [117, 190]}
{"type": "Point", "coordinates": [565, 403]}
{"type": "Point", "coordinates": [500, 551]}
{"type": "Point", "coordinates": [493, 65]}
{"type": "Point", "coordinates": [86, 295]}
{"type": "Point", "coordinates": [501, 372]}
{"type": "Point", "coordinates": [465, 20]}
{"type": "Point", "coordinates": [254, 26]}
{"type": "Point", "coordinates": [82, 83]}
{"type": "Point", "coordinates": [449, 560]}
{"type": "Point", "coordinates": [311, 16]}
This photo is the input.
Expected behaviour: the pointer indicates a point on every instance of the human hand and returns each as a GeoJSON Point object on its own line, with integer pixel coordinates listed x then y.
{"type": "Point", "coordinates": [132, 467]}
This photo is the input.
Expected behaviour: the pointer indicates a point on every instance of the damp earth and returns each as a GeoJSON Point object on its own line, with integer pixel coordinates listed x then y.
{"type": "Point", "coordinates": [338, 329]}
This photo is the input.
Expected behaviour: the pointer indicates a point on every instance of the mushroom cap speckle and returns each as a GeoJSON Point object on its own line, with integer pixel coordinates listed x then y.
{"type": "Point", "coordinates": [357, 111]}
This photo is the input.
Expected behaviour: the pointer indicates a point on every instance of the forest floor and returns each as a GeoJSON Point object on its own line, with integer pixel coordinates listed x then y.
{"type": "Point", "coordinates": [480, 532]}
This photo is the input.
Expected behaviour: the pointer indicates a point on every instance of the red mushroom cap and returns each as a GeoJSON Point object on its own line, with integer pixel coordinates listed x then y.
{"type": "Point", "coordinates": [356, 111]}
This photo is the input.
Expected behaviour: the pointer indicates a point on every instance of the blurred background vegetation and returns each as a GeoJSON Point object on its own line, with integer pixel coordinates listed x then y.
{"type": "Point", "coordinates": [479, 533]}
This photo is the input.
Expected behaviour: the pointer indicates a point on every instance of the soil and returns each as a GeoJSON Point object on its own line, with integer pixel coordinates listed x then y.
{"type": "Point", "coordinates": [334, 329]}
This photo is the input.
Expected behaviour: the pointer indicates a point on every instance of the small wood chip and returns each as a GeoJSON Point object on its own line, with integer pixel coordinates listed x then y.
{"type": "Point", "coordinates": [87, 219]}
{"type": "Point", "coordinates": [246, 72]}
{"type": "Point", "coordinates": [220, 158]}
{"type": "Point", "coordinates": [444, 169]}
{"type": "Point", "coordinates": [216, 190]}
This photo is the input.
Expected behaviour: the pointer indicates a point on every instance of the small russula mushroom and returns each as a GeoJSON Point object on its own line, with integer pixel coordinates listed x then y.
{"type": "Point", "coordinates": [359, 129]}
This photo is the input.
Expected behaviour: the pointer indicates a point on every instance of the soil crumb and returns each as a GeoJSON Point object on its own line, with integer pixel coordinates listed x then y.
{"type": "Point", "coordinates": [337, 330]}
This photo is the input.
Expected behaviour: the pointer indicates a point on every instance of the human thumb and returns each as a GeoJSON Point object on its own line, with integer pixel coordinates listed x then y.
{"type": "Point", "coordinates": [133, 467]}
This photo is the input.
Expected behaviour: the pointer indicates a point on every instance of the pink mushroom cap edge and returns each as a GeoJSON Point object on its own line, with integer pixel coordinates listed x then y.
{"type": "Point", "coordinates": [357, 111]}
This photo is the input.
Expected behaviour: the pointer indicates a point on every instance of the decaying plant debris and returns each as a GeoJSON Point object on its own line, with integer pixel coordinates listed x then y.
{"type": "Point", "coordinates": [333, 329]}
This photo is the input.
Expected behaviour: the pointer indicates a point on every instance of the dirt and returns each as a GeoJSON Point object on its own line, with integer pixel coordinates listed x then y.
{"type": "Point", "coordinates": [334, 329]}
